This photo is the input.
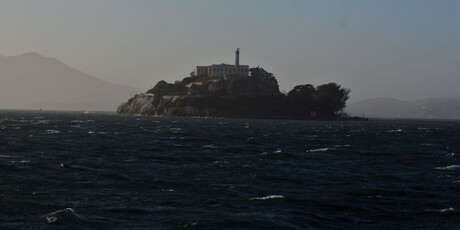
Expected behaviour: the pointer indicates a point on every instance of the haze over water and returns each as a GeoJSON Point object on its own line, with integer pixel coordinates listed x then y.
{"type": "Point", "coordinates": [406, 50]}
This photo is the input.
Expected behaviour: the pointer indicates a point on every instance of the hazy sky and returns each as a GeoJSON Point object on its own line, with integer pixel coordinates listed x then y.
{"type": "Point", "coordinates": [404, 49]}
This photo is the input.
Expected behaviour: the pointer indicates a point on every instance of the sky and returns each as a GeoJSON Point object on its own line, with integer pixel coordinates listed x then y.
{"type": "Point", "coordinates": [407, 50]}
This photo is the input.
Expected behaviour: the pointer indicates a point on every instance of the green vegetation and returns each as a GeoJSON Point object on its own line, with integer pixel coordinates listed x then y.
{"type": "Point", "coordinates": [164, 88]}
{"type": "Point", "coordinates": [326, 100]}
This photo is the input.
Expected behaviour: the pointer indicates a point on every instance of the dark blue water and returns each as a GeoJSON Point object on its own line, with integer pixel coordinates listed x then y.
{"type": "Point", "coordinates": [101, 171]}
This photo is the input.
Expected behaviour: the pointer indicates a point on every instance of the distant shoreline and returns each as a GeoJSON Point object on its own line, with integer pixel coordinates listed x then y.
{"type": "Point", "coordinates": [296, 118]}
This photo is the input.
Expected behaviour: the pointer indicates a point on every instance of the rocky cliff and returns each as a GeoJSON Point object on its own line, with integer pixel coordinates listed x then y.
{"type": "Point", "coordinates": [255, 96]}
{"type": "Point", "coordinates": [208, 96]}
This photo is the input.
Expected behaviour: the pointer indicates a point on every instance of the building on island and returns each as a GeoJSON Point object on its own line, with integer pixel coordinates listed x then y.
{"type": "Point", "coordinates": [223, 70]}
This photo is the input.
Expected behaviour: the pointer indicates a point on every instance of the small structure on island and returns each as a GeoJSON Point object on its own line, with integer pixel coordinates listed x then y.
{"type": "Point", "coordinates": [223, 70]}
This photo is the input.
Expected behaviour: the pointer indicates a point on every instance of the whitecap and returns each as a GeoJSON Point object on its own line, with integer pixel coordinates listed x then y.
{"type": "Point", "coordinates": [91, 132]}
{"type": "Point", "coordinates": [395, 130]}
{"type": "Point", "coordinates": [209, 147]}
{"type": "Point", "coordinates": [450, 167]}
{"type": "Point", "coordinates": [268, 197]}
{"type": "Point", "coordinates": [20, 162]}
{"type": "Point", "coordinates": [190, 224]}
{"type": "Point", "coordinates": [341, 146]}
{"type": "Point", "coordinates": [41, 122]}
{"type": "Point", "coordinates": [81, 121]}
{"type": "Point", "coordinates": [51, 131]}
{"type": "Point", "coordinates": [53, 217]}
{"type": "Point", "coordinates": [278, 151]}
{"type": "Point", "coordinates": [318, 150]}
{"type": "Point", "coordinates": [445, 210]}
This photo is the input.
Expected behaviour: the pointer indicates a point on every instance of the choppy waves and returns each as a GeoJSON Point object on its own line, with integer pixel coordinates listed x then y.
{"type": "Point", "coordinates": [101, 171]}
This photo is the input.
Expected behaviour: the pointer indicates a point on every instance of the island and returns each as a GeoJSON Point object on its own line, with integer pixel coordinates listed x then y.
{"type": "Point", "coordinates": [223, 90]}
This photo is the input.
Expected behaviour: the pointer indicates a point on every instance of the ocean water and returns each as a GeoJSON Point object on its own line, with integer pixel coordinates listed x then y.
{"type": "Point", "coordinates": [74, 170]}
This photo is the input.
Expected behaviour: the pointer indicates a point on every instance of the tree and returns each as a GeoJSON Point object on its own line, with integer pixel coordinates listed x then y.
{"type": "Point", "coordinates": [260, 73]}
{"type": "Point", "coordinates": [305, 92]}
{"type": "Point", "coordinates": [260, 81]}
{"type": "Point", "coordinates": [301, 99]}
{"type": "Point", "coordinates": [331, 99]}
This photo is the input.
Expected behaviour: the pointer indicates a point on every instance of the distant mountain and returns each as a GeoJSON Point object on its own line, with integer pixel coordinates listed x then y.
{"type": "Point", "coordinates": [435, 108]}
{"type": "Point", "coordinates": [31, 81]}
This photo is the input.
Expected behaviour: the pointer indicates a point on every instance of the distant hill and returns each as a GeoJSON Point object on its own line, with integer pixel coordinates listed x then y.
{"type": "Point", "coordinates": [433, 108]}
{"type": "Point", "coordinates": [31, 81]}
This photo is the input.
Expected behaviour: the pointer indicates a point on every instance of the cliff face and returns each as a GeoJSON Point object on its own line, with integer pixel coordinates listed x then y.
{"type": "Point", "coordinates": [208, 96]}
{"type": "Point", "coordinates": [255, 96]}
{"type": "Point", "coordinates": [139, 104]}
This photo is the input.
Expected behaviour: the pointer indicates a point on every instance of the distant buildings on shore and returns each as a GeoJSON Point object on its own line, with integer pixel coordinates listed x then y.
{"type": "Point", "coordinates": [223, 70]}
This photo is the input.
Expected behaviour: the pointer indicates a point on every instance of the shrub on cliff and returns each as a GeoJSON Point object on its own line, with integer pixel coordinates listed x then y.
{"type": "Point", "coordinates": [265, 80]}
{"type": "Point", "coordinates": [164, 88]}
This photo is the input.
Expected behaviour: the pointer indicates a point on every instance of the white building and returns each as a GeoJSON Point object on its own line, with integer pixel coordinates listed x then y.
{"type": "Point", "coordinates": [222, 70]}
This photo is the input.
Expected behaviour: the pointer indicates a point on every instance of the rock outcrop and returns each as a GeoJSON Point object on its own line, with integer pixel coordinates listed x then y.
{"type": "Point", "coordinates": [208, 96]}
{"type": "Point", "coordinates": [255, 96]}
{"type": "Point", "coordinates": [139, 104]}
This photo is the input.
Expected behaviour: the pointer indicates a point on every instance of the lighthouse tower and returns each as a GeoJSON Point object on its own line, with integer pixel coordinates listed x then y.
{"type": "Point", "coordinates": [237, 58]}
{"type": "Point", "coordinates": [223, 70]}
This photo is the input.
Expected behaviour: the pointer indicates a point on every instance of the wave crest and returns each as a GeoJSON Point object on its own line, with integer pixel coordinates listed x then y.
{"type": "Point", "coordinates": [268, 197]}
